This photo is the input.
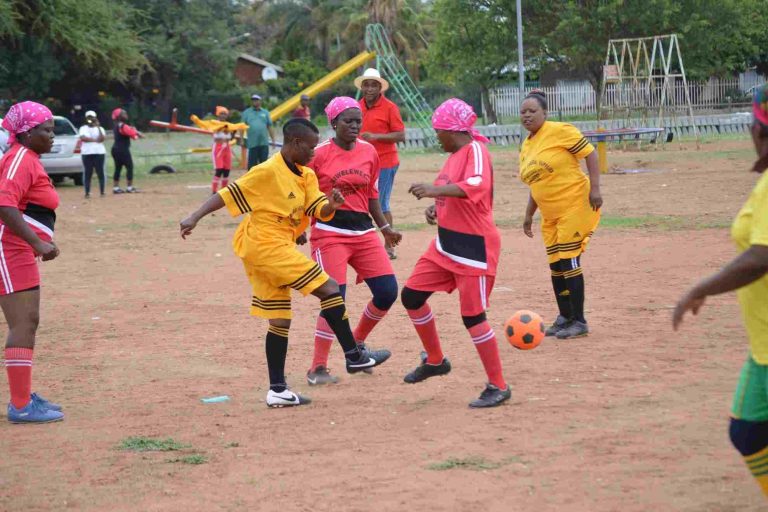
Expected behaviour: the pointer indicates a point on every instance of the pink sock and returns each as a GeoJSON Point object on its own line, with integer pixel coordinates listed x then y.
{"type": "Point", "coordinates": [488, 349]}
{"type": "Point", "coordinates": [368, 320]}
{"type": "Point", "coordinates": [224, 182]}
{"type": "Point", "coordinates": [323, 340]}
{"type": "Point", "coordinates": [425, 326]}
{"type": "Point", "coordinates": [215, 184]}
{"type": "Point", "coordinates": [18, 365]}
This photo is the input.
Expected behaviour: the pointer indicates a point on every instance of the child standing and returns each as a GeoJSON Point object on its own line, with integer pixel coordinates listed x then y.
{"type": "Point", "coordinates": [221, 152]}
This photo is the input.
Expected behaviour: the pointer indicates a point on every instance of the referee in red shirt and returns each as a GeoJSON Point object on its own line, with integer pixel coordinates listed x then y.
{"type": "Point", "coordinates": [383, 127]}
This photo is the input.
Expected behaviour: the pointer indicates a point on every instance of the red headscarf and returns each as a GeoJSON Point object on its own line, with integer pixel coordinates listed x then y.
{"type": "Point", "coordinates": [338, 105]}
{"type": "Point", "coordinates": [24, 116]}
{"type": "Point", "coordinates": [116, 113]}
{"type": "Point", "coordinates": [454, 115]}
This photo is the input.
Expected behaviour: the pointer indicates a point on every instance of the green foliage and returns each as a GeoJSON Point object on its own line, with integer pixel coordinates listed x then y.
{"type": "Point", "coordinates": [149, 444]}
{"type": "Point", "coordinates": [193, 459]}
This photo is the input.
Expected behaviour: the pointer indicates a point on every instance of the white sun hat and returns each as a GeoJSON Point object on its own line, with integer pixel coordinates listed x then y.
{"type": "Point", "coordinates": [371, 74]}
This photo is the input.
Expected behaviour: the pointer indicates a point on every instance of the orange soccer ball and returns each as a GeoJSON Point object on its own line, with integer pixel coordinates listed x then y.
{"type": "Point", "coordinates": [524, 330]}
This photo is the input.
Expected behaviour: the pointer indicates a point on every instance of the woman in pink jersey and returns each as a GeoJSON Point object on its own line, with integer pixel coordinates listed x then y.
{"type": "Point", "coordinates": [27, 204]}
{"type": "Point", "coordinates": [351, 165]}
{"type": "Point", "coordinates": [465, 252]}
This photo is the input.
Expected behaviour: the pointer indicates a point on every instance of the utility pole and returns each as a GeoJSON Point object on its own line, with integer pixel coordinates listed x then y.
{"type": "Point", "coordinates": [520, 65]}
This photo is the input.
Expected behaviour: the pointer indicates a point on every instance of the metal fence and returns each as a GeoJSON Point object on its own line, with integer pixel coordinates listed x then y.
{"type": "Point", "coordinates": [581, 99]}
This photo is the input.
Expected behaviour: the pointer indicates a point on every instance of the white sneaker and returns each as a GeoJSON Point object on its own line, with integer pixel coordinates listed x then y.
{"type": "Point", "coordinates": [286, 398]}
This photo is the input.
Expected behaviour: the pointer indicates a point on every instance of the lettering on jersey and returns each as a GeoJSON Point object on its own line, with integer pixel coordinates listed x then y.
{"type": "Point", "coordinates": [296, 215]}
{"type": "Point", "coordinates": [359, 180]}
{"type": "Point", "coordinates": [442, 179]}
{"type": "Point", "coordinates": [534, 171]}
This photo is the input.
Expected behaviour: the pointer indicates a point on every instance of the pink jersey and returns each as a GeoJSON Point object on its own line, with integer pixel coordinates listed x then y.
{"type": "Point", "coordinates": [467, 242]}
{"type": "Point", "coordinates": [355, 173]}
{"type": "Point", "coordinates": [25, 185]}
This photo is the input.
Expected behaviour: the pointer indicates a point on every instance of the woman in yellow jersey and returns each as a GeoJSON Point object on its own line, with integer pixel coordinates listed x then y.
{"type": "Point", "coordinates": [569, 203]}
{"type": "Point", "coordinates": [747, 273]}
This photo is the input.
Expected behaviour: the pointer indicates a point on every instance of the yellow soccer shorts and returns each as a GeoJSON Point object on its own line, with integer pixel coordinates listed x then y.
{"type": "Point", "coordinates": [567, 237]}
{"type": "Point", "coordinates": [272, 282]}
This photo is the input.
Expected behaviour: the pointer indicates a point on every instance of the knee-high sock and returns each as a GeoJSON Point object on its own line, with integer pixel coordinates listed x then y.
{"type": "Point", "coordinates": [758, 466]}
{"type": "Point", "coordinates": [426, 328]}
{"type": "Point", "coordinates": [368, 320]}
{"type": "Point", "coordinates": [562, 295]}
{"type": "Point", "coordinates": [574, 280]}
{"type": "Point", "coordinates": [18, 366]}
{"type": "Point", "coordinates": [323, 340]}
{"type": "Point", "coordinates": [276, 348]}
{"type": "Point", "coordinates": [215, 184]}
{"type": "Point", "coordinates": [488, 349]}
{"type": "Point", "coordinates": [335, 313]}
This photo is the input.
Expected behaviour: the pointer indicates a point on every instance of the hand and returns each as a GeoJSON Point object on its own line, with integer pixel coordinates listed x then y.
{"type": "Point", "coordinates": [368, 136]}
{"type": "Point", "coordinates": [692, 302]}
{"type": "Point", "coordinates": [336, 198]}
{"type": "Point", "coordinates": [431, 214]}
{"type": "Point", "coordinates": [595, 198]}
{"type": "Point", "coordinates": [46, 250]}
{"type": "Point", "coordinates": [140, 135]}
{"type": "Point", "coordinates": [302, 239]}
{"type": "Point", "coordinates": [421, 190]}
{"type": "Point", "coordinates": [391, 237]}
{"type": "Point", "coordinates": [186, 226]}
{"type": "Point", "coordinates": [527, 227]}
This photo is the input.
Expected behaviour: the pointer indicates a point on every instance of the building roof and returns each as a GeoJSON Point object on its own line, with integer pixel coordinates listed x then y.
{"type": "Point", "coordinates": [260, 62]}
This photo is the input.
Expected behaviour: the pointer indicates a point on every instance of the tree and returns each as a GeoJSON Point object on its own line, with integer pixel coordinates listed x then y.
{"type": "Point", "coordinates": [41, 37]}
{"type": "Point", "coordinates": [472, 43]}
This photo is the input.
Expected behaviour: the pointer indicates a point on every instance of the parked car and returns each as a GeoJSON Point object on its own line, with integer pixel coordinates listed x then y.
{"type": "Point", "coordinates": [64, 160]}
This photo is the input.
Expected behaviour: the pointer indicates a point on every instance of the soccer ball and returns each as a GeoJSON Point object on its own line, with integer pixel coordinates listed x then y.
{"type": "Point", "coordinates": [524, 330]}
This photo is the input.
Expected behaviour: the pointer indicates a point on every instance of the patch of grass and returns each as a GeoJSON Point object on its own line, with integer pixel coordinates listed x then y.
{"type": "Point", "coordinates": [233, 444]}
{"type": "Point", "coordinates": [473, 463]}
{"type": "Point", "coordinates": [646, 221]}
{"type": "Point", "coordinates": [411, 226]}
{"type": "Point", "coordinates": [149, 444]}
{"type": "Point", "coordinates": [193, 459]}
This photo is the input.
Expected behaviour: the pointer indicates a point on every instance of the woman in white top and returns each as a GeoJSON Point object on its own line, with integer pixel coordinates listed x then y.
{"type": "Point", "coordinates": [93, 151]}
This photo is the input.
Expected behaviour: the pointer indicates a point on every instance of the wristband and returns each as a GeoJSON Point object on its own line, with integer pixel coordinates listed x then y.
{"type": "Point", "coordinates": [382, 228]}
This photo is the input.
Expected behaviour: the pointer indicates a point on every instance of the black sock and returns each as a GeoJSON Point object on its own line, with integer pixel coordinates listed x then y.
{"type": "Point", "coordinates": [562, 295]}
{"type": "Point", "coordinates": [575, 285]}
{"type": "Point", "coordinates": [335, 313]}
{"type": "Point", "coordinates": [277, 348]}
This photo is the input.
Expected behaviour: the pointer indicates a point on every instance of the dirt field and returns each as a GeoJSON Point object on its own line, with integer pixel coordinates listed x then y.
{"type": "Point", "coordinates": [139, 325]}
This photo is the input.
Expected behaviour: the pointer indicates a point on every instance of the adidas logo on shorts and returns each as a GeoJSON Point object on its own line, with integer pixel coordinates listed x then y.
{"type": "Point", "coordinates": [577, 235]}
{"type": "Point", "coordinates": [291, 196]}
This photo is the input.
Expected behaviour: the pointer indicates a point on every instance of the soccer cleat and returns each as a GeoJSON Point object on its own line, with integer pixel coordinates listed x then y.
{"type": "Point", "coordinates": [117, 190]}
{"type": "Point", "coordinates": [367, 371]}
{"type": "Point", "coordinates": [320, 376]}
{"type": "Point", "coordinates": [425, 371]}
{"type": "Point", "coordinates": [45, 403]}
{"type": "Point", "coordinates": [33, 412]}
{"type": "Point", "coordinates": [368, 359]}
{"type": "Point", "coordinates": [131, 190]}
{"type": "Point", "coordinates": [575, 329]}
{"type": "Point", "coordinates": [560, 323]}
{"type": "Point", "coordinates": [491, 397]}
{"type": "Point", "coordinates": [286, 398]}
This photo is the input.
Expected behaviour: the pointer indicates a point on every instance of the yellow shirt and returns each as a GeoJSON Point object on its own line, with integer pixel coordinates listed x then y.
{"type": "Point", "coordinates": [751, 228]}
{"type": "Point", "coordinates": [279, 203]}
{"type": "Point", "coordinates": [549, 164]}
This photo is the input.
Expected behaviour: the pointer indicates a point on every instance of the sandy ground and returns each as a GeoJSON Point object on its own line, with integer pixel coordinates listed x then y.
{"type": "Point", "coordinates": [138, 325]}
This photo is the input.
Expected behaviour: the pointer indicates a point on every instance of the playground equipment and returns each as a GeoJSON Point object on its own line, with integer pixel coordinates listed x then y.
{"type": "Point", "coordinates": [322, 84]}
{"type": "Point", "coordinates": [648, 88]}
{"type": "Point", "coordinates": [601, 136]}
{"type": "Point", "coordinates": [379, 47]}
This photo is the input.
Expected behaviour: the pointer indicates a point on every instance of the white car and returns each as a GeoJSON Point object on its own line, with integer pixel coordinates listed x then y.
{"type": "Point", "coordinates": [64, 160]}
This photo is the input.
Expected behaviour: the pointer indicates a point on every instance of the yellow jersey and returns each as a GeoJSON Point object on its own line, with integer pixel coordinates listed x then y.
{"type": "Point", "coordinates": [751, 228]}
{"type": "Point", "coordinates": [549, 165]}
{"type": "Point", "coordinates": [279, 203]}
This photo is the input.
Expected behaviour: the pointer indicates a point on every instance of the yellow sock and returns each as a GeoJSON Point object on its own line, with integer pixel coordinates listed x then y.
{"type": "Point", "coordinates": [758, 465]}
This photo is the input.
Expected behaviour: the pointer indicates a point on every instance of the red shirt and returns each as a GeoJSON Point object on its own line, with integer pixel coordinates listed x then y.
{"type": "Point", "coordinates": [301, 112]}
{"type": "Point", "coordinates": [25, 185]}
{"type": "Point", "coordinates": [355, 173]}
{"type": "Point", "coordinates": [383, 117]}
{"type": "Point", "coordinates": [467, 242]}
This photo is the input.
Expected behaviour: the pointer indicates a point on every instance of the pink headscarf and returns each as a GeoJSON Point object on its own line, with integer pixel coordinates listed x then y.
{"type": "Point", "coordinates": [338, 105]}
{"type": "Point", "coordinates": [24, 116]}
{"type": "Point", "coordinates": [116, 113]}
{"type": "Point", "coordinates": [454, 115]}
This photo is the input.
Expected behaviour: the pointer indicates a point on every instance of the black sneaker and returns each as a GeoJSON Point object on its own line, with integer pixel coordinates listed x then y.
{"type": "Point", "coordinates": [320, 376]}
{"type": "Point", "coordinates": [367, 359]}
{"type": "Point", "coordinates": [491, 397]}
{"type": "Point", "coordinates": [574, 329]}
{"type": "Point", "coordinates": [362, 346]}
{"type": "Point", "coordinates": [425, 371]}
{"type": "Point", "coordinates": [560, 323]}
